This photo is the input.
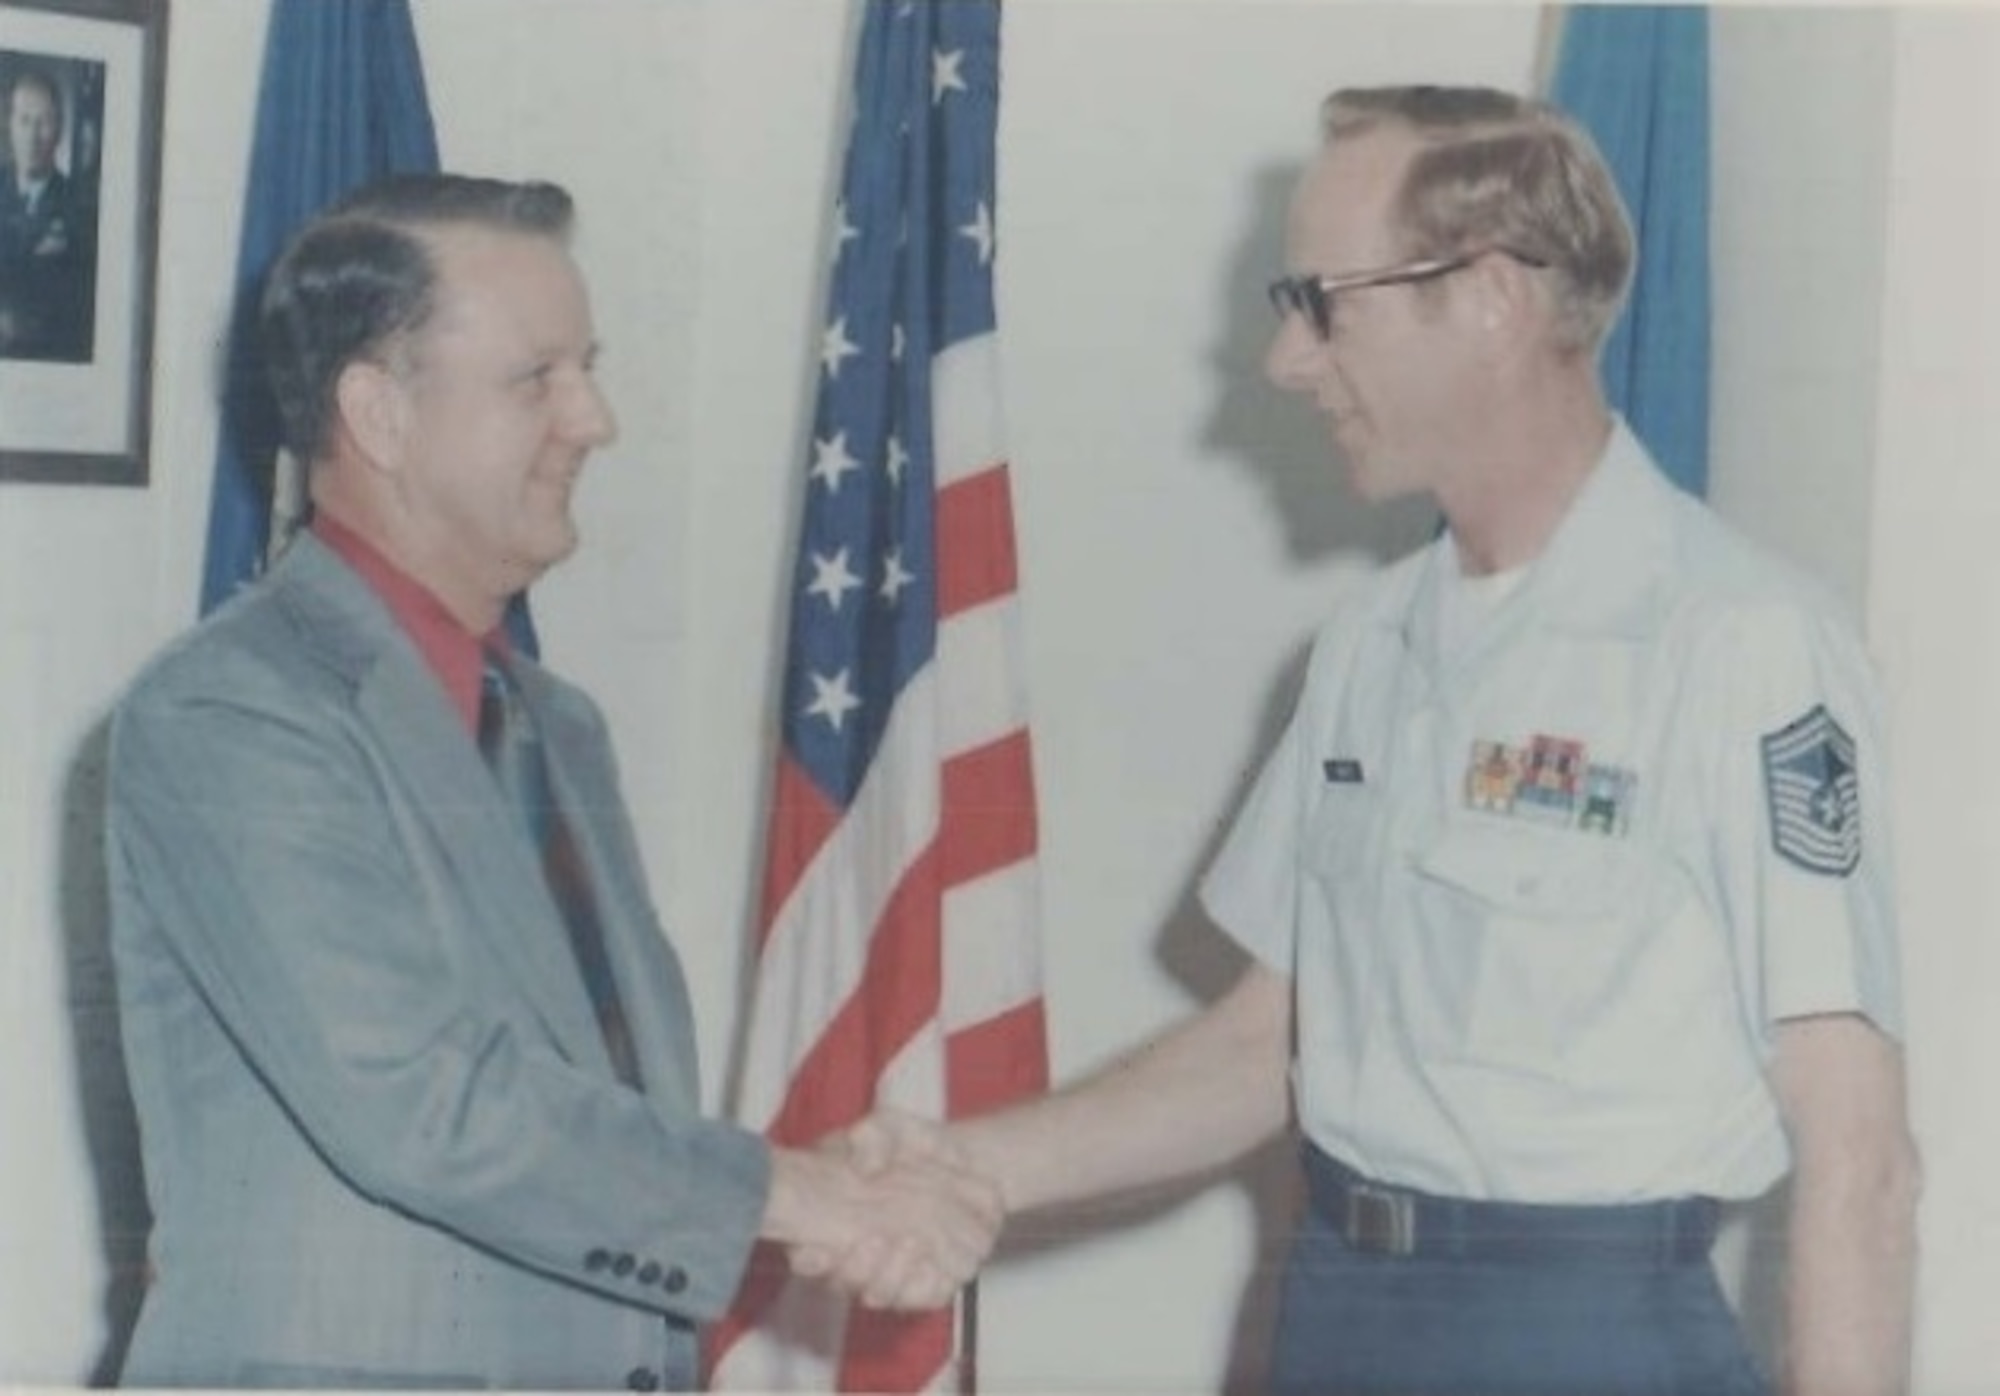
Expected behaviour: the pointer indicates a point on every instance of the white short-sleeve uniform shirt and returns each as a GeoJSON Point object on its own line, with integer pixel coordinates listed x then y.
{"type": "Point", "coordinates": [1545, 892]}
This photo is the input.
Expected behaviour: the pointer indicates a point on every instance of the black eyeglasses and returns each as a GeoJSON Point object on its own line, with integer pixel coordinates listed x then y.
{"type": "Point", "coordinates": [1312, 296]}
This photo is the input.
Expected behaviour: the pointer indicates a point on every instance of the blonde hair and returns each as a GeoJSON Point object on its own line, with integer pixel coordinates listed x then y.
{"type": "Point", "coordinates": [1500, 170]}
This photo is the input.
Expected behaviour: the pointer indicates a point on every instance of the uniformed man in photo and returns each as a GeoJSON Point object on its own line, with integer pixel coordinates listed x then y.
{"type": "Point", "coordinates": [1566, 894]}
{"type": "Point", "coordinates": [47, 255]}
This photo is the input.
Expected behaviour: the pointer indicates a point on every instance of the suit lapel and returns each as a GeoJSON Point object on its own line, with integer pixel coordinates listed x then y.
{"type": "Point", "coordinates": [651, 986]}
{"type": "Point", "coordinates": [462, 834]}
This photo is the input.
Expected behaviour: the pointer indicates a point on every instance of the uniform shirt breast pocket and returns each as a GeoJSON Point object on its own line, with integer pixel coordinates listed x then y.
{"type": "Point", "coordinates": [1547, 932]}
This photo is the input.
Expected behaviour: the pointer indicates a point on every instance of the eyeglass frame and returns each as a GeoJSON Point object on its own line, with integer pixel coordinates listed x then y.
{"type": "Point", "coordinates": [1313, 296]}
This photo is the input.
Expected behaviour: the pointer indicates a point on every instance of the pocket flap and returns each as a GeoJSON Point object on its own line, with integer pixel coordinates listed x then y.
{"type": "Point", "coordinates": [1544, 872]}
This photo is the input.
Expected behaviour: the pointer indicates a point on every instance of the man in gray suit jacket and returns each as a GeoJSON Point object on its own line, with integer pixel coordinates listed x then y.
{"type": "Point", "coordinates": [417, 1096]}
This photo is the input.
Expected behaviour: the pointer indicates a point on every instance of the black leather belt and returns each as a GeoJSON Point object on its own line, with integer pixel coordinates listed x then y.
{"type": "Point", "coordinates": [1379, 1219]}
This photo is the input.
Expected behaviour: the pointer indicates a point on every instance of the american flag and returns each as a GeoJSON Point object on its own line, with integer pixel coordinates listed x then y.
{"type": "Point", "coordinates": [899, 958]}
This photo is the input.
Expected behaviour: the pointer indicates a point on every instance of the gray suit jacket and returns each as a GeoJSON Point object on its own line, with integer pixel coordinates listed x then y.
{"type": "Point", "coordinates": [383, 1141]}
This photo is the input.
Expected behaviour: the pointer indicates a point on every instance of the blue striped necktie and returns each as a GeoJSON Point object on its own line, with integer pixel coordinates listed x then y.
{"type": "Point", "coordinates": [513, 750]}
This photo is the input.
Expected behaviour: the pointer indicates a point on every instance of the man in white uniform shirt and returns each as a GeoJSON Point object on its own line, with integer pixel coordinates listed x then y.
{"type": "Point", "coordinates": [1566, 893]}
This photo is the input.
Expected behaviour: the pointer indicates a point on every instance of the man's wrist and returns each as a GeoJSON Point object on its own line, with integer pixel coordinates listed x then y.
{"type": "Point", "coordinates": [801, 1203]}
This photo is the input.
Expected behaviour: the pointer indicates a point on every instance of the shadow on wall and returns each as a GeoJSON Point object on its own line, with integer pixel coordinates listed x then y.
{"type": "Point", "coordinates": [1281, 438]}
{"type": "Point", "coordinates": [111, 1131]}
{"type": "Point", "coordinates": [1207, 963]}
{"type": "Point", "coordinates": [1284, 444]}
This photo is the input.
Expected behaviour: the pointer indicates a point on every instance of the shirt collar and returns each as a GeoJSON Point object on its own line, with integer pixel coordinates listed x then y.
{"type": "Point", "coordinates": [1598, 571]}
{"type": "Point", "coordinates": [451, 652]}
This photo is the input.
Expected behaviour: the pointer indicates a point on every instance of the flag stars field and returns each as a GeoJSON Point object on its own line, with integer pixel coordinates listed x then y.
{"type": "Point", "coordinates": [831, 461]}
{"type": "Point", "coordinates": [980, 231]}
{"type": "Point", "coordinates": [844, 232]}
{"type": "Point", "coordinates": [836, 348]}
{"type": "Point", "coordinates": [945, 75]}
{"type": "Point", "coordinates": [833, 698]}
{"type": "Point", "coordinates": [832, 578]}
{"type": "Point", "coordinates": [894, 576]}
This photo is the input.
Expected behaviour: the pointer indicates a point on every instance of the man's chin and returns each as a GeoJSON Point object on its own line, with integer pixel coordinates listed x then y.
{"type": "Point", "coordinates": [526, 564]}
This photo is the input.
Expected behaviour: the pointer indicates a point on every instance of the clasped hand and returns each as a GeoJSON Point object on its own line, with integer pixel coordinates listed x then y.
{"type": "Point", "coordinates": [903, 1220]}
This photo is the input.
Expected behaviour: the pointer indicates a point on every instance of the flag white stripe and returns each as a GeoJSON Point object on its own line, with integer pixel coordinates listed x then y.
{"type": "Point", "coordinates": [981, 694]}
{"type": "Point", "coordinates": [817, 946]}
{"type": "Point", "coordinates": [796, 1346]}
{"type": "Point", "coordinates": [965, 409]}
{"type": "Point", "coordinates": [913, 1080]}
{"type": "Point", "coordinates": [989, 966]}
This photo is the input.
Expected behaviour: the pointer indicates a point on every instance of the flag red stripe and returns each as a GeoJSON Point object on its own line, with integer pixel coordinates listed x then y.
{"type": "Point", "coordinates": [834, 1085]}
{"type": "Point", "coordinates": [989, 809]}
{"type": "Point", "coordinates": [802, 820]}
{"type": "Point", "coordinates": [884, 1350]}
{"type": "Point", "coordinates": [899, 992]}
{"type": "Point", "coordinates": [989, 823]}
{"type": "Point", "coordinates": [975, 541]}
{"type": "Point", "coordinates": [1000, 1060]}
{"type": "Point", "coordinates": [764, 1277]}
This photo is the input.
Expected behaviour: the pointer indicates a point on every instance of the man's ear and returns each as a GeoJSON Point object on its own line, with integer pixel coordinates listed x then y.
{"type": "Point", "coordinates": [373, 408]}
{"type": "Point", "coordinates": [1506, 291]}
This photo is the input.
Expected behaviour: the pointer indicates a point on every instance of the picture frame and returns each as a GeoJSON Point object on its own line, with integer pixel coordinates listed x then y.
{"type": "Point", "coordinates": [82, 88]}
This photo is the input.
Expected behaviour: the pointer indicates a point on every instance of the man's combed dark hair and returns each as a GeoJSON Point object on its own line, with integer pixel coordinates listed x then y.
{"type": "Point", "coordinates": [361, 277]}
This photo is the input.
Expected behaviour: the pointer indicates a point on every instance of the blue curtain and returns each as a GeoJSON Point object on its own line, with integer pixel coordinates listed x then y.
{"type": "Point", "coordinates": [341, 102]}
{"type": "Point", "coordinates": [1637, 77]}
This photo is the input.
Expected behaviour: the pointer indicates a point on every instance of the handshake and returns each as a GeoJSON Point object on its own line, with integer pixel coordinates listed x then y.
{"type": "Point", "coordinates": [891, 1211]}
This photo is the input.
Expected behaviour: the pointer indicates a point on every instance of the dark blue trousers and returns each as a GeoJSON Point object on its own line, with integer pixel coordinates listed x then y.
{"type": "Point", "coordinates": [1456, 1321]}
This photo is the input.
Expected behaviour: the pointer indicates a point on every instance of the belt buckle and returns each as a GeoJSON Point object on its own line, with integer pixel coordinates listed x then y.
{"type": "Point", "coordinates": [1381, 1221]}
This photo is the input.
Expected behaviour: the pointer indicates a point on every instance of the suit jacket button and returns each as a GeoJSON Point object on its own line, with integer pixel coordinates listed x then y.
{"type": "Point", "coordinates": [649, 1273]}
{"type": "Point", "coordinates": [597, 1260]}
{"type": "Point", "coordinates": [675, 1280]}
{"type": "Point", "coordinates": [622, 1266]}
{"type": "Point", "coordinates": [643, 1379]}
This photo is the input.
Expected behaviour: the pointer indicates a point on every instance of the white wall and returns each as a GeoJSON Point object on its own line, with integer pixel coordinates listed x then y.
{"type": "Point", "coordinates": [1800, 161]}
{"type": "Point", "coordinates": [1179, 529]}
{"type": "Point", "coordinates": [771, 109]}
{"type": "Point", "coordinates": [90, 580]}
{"type": "Point", "coordinates": [1935, 604]}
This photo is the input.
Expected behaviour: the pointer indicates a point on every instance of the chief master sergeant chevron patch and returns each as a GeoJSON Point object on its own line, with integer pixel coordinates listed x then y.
{"type": "Point", "coordinates": [1814, 794]}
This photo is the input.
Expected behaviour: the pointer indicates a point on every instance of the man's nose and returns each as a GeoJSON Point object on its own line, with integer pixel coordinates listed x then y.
{"type": "Point", "coordinates": [1295, 355]}
{"type": "Point", "coordinates": [588, 416]}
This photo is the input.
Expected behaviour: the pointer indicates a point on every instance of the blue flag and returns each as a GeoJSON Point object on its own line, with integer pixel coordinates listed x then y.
{"type": "Point", "coordinates": [341, 102]}
{"type": "Point", "coordinates": [1636, 76]}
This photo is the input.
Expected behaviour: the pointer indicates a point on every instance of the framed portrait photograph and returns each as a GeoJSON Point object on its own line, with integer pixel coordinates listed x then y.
{"type": "Point", "coordinates": [81, 86]}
